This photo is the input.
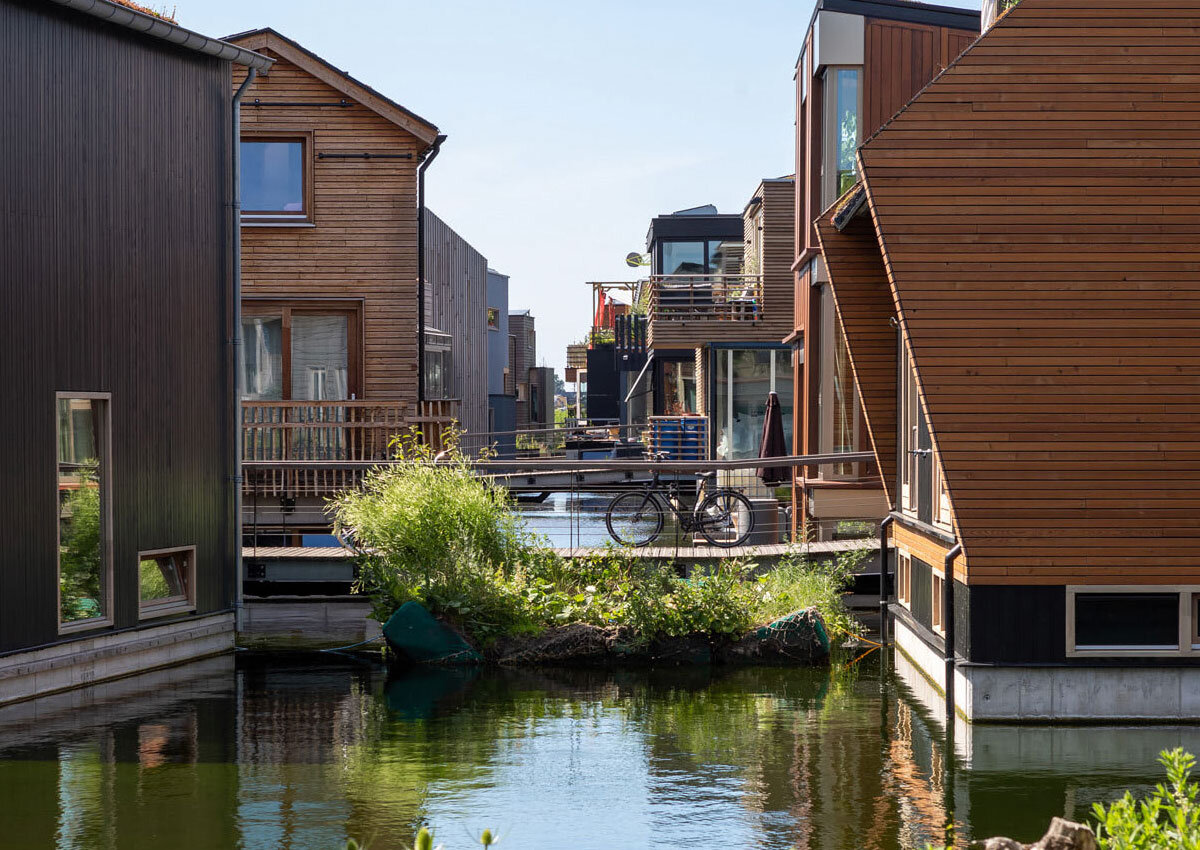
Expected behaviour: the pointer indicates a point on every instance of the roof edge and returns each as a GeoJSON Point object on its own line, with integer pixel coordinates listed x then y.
{"type": "Point", "coordinates": [422, 128]}
{"type": "Point", "coordinates": [140, 22]}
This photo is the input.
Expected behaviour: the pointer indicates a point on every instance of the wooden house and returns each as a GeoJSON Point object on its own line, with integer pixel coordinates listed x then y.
{"type": "Point", "coordinates": [118, 444]}
{"type": "Point", "coordinates": [335, 303]}
{"type": "Point", "coordinates": [861, 61]}
{"type": "Point", "coordinates": [1017, 280]}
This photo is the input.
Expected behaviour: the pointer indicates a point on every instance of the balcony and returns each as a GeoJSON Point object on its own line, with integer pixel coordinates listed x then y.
{"type": "Point", "coordinates": [329, 431]}
{"type": "Point", "coordinates": [687, 311]}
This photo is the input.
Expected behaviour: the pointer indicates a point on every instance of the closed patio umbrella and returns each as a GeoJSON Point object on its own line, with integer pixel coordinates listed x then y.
{"type": "Point", "coordinates": [774, 444]}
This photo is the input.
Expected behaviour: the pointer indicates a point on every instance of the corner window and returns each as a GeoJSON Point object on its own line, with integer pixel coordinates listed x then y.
{"type": "Point", "coordinates": [842, 131]}
{"type": "Point", "coordinates": [84, 521]}
{"type": "Point", "coordinates": [276, 180]}
{"type": "Point", "coordinates": [166, 579]}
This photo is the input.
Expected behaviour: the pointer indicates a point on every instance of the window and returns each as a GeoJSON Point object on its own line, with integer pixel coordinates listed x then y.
{"type": "Point", "coordinates": [910, 407]}
{"type": "Point", "coordinates": [300, 351]}
{"type": "Point", "coordinates": [702, 257]}
{"type": "Point", "coordinates": [904, 578]}
{"type": "Point", "coordinates": [941, 498]}
{"type": "Point", "coordinates": [276, 179]}
{"type": "Point", "coordinates": [842, 131]}
{"type": "Point", "coordinates": [1108, 621]}
{"type": "Point", "coordinates": [678, 383]}
{"type": "Point", "coordinates": [939, 603]}
{"type": "Point", "coordinates": [84, 516]}
{"type": "Point", "coordinates": [437, 373]}
{"type": "Point", "coordinates": [493, 319]}
{"type": "Point", "coordinates": [743, 379]}
{"type": "Point", "coordinates": [839, 425]}
{"type": "Point", "coordinates": [166, 579]}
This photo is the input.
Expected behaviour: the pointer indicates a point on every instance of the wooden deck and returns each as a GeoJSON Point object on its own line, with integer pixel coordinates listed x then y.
{"type": "Point", "coordinates": [683, 553]}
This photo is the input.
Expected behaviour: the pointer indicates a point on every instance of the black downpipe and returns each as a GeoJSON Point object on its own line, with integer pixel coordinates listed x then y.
{"type": "Point", "coordinates": [426, 159]}
{"type": "Point", "coordinates": [883, 578]}
{"type": "Point", "coordinates": [948, 618]}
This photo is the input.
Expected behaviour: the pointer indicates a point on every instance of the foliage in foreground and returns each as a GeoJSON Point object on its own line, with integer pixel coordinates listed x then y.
{"type": "Point", "coordinates": [1168, 818]}
{"type": "Point", "coordinates": [440, 535]}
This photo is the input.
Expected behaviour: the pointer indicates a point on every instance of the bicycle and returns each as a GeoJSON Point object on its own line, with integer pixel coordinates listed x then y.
{"type": "Point", "coordinates": [724, 517]}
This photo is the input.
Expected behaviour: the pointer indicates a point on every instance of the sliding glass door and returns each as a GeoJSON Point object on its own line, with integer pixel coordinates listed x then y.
{"type": "Point", "coordinates": [743, 378]}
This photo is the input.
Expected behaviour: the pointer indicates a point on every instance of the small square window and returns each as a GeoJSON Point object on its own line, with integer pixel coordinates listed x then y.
{"type": "Point", "coordinates": [275, 179]}
{"type": "Point", "coordinates": [166, 578]}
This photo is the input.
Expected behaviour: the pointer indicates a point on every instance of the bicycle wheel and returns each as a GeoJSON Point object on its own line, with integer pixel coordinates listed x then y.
{"type": "Point", "coordinates": [634, 519]}
{"type": "Point", "coordinates": [725, 518]}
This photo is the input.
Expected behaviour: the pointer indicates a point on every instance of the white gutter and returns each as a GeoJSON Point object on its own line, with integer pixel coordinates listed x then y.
{"type": "Point", "coordinates": [130, 19]}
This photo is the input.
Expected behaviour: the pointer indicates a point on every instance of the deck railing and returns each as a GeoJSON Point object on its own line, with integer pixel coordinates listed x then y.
{"type": "Point", "coordinates": [331, 431]}
{"type": "Point", "coordinates": [712, 297]}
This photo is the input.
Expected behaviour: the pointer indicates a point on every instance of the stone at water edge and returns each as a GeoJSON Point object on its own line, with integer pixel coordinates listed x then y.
{"type": "Point", "coordinates": [998, 844]}
{"type": "Point", "coordinates": [415, 634]}
{"type": "Point", "coordinates": [1066, 835]}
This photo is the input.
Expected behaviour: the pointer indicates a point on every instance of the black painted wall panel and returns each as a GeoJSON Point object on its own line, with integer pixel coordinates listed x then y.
{"type": "Point", "coordinates": [114, 272]}
{"type": "Point", "coordinates": [1017, 624]}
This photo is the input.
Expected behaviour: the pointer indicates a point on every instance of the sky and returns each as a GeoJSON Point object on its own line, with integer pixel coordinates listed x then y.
{"type": "Point", "coordinates": [571, 124]}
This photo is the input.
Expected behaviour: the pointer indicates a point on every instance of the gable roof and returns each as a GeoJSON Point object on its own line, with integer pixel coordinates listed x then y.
{"type": "Point", "coordinates": [313, 64]}
{"type": "Point", "coordinates": [1035, 209]}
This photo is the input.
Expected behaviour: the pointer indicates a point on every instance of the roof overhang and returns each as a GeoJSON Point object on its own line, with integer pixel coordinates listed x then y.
{"type": "Point", "coordinates": [140, 22]}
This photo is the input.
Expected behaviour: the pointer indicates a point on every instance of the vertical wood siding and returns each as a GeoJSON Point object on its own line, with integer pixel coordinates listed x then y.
{"type": "Point", "coordinates": [1036, 206]}
{"type": "Point", "coordinates": [114, 162]}
{"type": "Point", "coordinates": [364, 243]}
{"type": "Point", "coordinates": [456, 303]}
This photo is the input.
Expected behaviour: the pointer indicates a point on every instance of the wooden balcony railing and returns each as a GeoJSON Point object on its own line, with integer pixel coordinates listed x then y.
{"type": "Point", "coordinates": [330, 431]}
{"type": "Point", "coordinates": [715, 298]}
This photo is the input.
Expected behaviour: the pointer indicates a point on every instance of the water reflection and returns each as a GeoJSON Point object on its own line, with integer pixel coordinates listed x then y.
{"type": "Point", "coordinates": [300, 752]}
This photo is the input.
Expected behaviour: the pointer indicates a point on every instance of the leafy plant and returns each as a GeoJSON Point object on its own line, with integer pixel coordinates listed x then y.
{"type": "Point", "coordinates": [80, 554]}
{"type": "Point", "coordinates": [1167, 819]}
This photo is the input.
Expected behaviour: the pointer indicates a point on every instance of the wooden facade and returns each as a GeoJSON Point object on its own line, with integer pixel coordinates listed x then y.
{"type": "Point", "coordinates": [456, 290]}
{"type": "Point", "coordinates": [360, 238]}
{"type": "Point", "coordinates": [117, 238]}
{"type": "Point", "coordinates": [894, 49]}
{"type": "Point", "coordinates": [1031, 211]}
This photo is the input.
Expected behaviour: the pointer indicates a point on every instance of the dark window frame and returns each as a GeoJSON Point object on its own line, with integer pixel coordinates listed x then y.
{"type": "Point", "coordinates": [165, 606]}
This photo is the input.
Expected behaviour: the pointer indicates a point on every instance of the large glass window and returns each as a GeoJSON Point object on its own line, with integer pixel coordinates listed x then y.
{"type": "Point", "coordinates": [84, 572]}
{"type": "Point", "coordinates": [273, 176]}
{"type": "Point", "coordinates": [910, 411]}
{"type": "Point", "coordinates": [840, 421]}
{"type": "Point", "coordinates": [298, 353]}
{"type": "Point", "coordinates": [744, 378]}
{"type": "Point", "coordinates": [1126, 621]}
{"type": "Point", "coordinates": [684, 258]}
{"type": "Point", "coordinates": [842, 130]}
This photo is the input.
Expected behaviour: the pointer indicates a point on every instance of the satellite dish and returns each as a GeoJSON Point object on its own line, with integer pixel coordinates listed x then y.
{"type": "Point", "coordinates": [633, 259]}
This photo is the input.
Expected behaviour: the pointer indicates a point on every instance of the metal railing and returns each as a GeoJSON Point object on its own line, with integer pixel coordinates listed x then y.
{"type": "Point", "coordinates": [714, 297]}
{"type": "Point", "coordinates": [565, 501]}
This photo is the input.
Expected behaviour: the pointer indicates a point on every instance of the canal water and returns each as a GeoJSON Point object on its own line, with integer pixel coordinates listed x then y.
{"type": "Point", "coordinates": [276, 752]}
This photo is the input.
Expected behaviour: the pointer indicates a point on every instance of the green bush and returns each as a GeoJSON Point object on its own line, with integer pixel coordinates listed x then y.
{"type": "Point", "coordinates": [1167, 819]}
{"type": "Point", "coordinates": [440, 535]}
{"type": "Point", "coordinates": [80, 552]}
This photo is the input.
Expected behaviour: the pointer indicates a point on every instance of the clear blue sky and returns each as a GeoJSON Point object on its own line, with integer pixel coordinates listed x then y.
{"type": "Point", "coordinates": [570, 124]}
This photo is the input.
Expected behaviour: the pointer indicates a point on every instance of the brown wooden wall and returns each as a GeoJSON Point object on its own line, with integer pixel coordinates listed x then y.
{"type": "Point", "coordinates": [364, 242]}
{"type": "Point", "coordinates": [777, 219]}
{"type": "Point", "coordinates": [1037, 210]}
{"type": "Point", "coordinates": [863, 298]}
{"type": "Point", "coordinates": [114, 234]}
{"type": "Point", "coordinates": [456, 303]}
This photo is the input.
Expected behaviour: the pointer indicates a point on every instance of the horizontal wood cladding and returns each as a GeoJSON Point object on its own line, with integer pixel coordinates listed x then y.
{"type": "Point", "coordinates": [115, 239]}
{"type": "Point", "coordinates": [363, 239]}
{"type": "Point", "coordinates": [926, 547]}
{"type": "Point", "coordinates": [1037, 206]}
{"type": "Point", "coordinates": [779, 250]}
{"type": "Point", "coordinates": [863, 298]}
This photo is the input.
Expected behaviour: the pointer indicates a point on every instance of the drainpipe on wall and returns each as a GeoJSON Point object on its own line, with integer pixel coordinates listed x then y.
{"type": "Point", "coordinates": [236, 404]}
{"type": "Point", "coordinates": [948, 617]}
{"type": "Point", "coordinates": [883, 578]}
{"type": "Point", "coordinates": [427, 159]}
